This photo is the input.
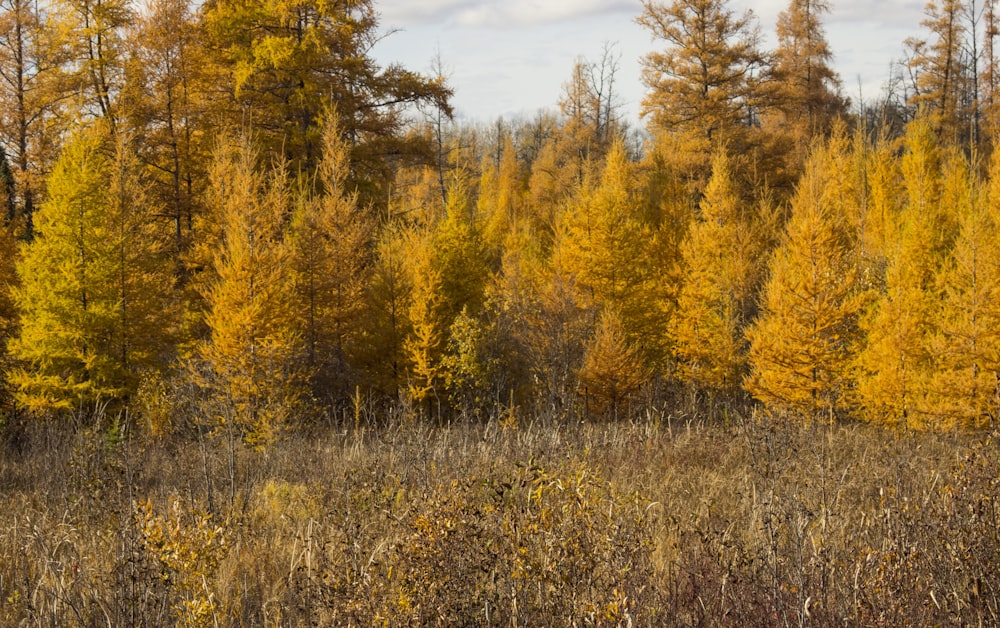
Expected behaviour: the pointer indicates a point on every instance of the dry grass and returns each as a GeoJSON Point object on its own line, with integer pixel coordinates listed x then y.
{"type": "Point", "coordinates": [650, 522]}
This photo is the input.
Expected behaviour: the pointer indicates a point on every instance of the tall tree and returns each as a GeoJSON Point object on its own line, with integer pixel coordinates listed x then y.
{"type": "Point", "coordinates": [253, 354]}
{"type": "Point", "coordinates": [805, 89]}
{"type": "Point", "coordinates": [95, 295]}
{"type": "Point", "coordinates": [283, 63]}
{"type": "Point", "coordinates": [939, 70]}
{"type": "Point", "coordinates": [801, 344]}
{"type": "Point", "coordinates": [330, 239]}
{"type": "Point", "coordinates": [706, 83]}
{"type": "Point", "coordinates": [92, 32]}
{"type": "Point", "coordinates": [895, 362]}
{"type": "Point", "coordinates": [609, 252]}
{"type": "Point", "coordinates": [29, 100]}
{"type": "Point", "coordinates": [167, 85]}
{"type": "Point", "coordinates": [720, 268]}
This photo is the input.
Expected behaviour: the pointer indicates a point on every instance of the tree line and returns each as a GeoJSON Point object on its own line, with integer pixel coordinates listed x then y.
{"type": "Point", "coordinates": [234, 212]}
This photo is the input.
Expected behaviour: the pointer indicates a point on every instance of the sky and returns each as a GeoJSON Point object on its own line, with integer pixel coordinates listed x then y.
{"type": "Point", "coordinates": [511, 58]}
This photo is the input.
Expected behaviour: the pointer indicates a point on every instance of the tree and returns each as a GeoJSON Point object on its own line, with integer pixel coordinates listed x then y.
{"type": "Point", "coordinates": [92, 32]}
{"type": "Point", "coordinates": [330, 240]}
{"type": "Point", "coordinates": [95, 297]}
{"type": "Point", "coordinates": [719, 257]}
{"type": "Point", "coordinates": [609, 253]}
{"type": "Point", "coordinates": [706, 84]}
{"type": "Point", "coordinates": [613, 369]}
{"type": "Point", "coordinates": [253, 355]}
{"type": "Point", "coordinates": [283, 63]}
{"type": "Point", "coordinates": [166, 87]}
{"type": "Point", "coordinates": [29, 100]}
{"type": "Point", "coordinates": [895, 362]}
{"type": "Point", "coordinates": [805, 90]}
{"type": "Point", "coordinates": [965, 342]}
{"type": "Point", "coordinates": [801, 344]}
{"type": "Point", "coordinates": [591, 104]}
{"type": "Point", "coordinates": [939, 72]}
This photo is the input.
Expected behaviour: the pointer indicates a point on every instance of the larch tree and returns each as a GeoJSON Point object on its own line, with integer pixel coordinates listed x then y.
{"type": "Point", "coordinates": [706, 82]}
{"type": "Point", "coordinates": [167, 88]}
{"type": "Point", "coordinates": [719, 259]}
{"type": "Point", "coordinates": [95, 298]}
{"type": "Point", "coordinates": [608, 251]}
{"type": "Point", "coordinates": [805, 89]}
{"type": "Point", "coordinates": [282, 63]}
{"type": "Point", "coordinates": [801, 344]}
{"type": "Point", "coordinates": [253, 356]}
{"type": "Point", "coordinates": [92, 32]}
{"type": "Point", "coordinates": [894, 364]}
{"type": "Point", "coordinates": [613, 368]}
{"type": "Point", "coordinates": [938, 70]}
{"type": "Point", "coordinates": [965, 341]}
{"type": "Point", "coordinates": [29, 103]}
{"type": "Point", "coordinates": [330, 239]}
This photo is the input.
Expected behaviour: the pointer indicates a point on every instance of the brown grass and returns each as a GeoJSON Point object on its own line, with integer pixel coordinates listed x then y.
{"type": "Point", "coordinates": [650, 522]}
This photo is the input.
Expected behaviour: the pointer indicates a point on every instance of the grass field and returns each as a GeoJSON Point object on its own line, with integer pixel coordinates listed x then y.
{"type": "Point", "coordinates": [657, 521]}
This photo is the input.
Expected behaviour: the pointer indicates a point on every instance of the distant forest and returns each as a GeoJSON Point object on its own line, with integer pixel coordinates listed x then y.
{"type": "Point", "coordinates": [229, 212]}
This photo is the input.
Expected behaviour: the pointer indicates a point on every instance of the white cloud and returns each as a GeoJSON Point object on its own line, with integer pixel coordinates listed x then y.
{"type": "Point", "coordinates": [498, 13]}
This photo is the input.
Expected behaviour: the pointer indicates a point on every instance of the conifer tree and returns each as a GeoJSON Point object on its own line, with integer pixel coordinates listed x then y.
{"type": "Point", "coordinates": [895, 362]}
{"type": "Point", "coordinates": [706, 84]}
{"type": "Point", "coordinates": [613, 369]}
{"type": "Point", "coordinates": [609, 252]}
{"type": "Point", "coordinates": [805, 90]}
{"type": "Point", "coordinates": [718, 269]}
{"type": "Point", "coordinates": [330, 239]}
{"type": "Point", "coordinates": [95, 296]}
{"type": "Point", "coordinates": [801, 344]}
{"type": "Point", "coordinates": [965, 343]}
{"type": "Point", "coordinates": [253, 354]}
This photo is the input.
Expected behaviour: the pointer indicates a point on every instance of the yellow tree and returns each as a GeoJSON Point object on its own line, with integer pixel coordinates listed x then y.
{"type": "Point", "coordinates": [805, 88]}
{"type": "Point", "coordinates": [613, 369]}
{"type": "Point", "coordinates": [705, 85]}
{"type": "Point", "coordinates": [720, 268]}
{"type": "Point", "coordinates": [801, 344]}
{"type": "Point", "coordinates": [167, 86]}
{"type": "Point", "coordinates": [96, 289]}
{"type": "Point", "coordinates": [609, 252]}
{"type": "Point", "coordinates": [965, 342]}
{"type": "Point", "coordinates": [330, 240]}
{"type": "Point", "coordinates": [285, 62]}
{"type": "Point", "coordinates": [253, 355]}
{"type": "Point", "coordinates": [895, 361]}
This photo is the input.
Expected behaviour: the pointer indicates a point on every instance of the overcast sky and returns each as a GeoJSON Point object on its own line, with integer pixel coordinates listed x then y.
{"type": "Point", "coordinates": [511, 57]}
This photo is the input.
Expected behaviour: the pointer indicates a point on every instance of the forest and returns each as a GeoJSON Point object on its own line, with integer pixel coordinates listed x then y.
{"type": "Point", "coordinates": [283, 342]}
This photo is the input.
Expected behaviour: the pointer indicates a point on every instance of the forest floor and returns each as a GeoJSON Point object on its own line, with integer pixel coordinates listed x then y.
{"type": "Point", "coordinates": [655, 521]}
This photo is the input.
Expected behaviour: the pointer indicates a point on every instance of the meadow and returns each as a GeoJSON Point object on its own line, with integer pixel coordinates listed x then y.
{"type": "Point", "coordinates": [665, 519]}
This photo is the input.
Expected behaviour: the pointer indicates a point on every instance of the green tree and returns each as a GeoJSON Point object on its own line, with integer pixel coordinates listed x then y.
{"type": "Point", "coordinates": [95, 298]}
